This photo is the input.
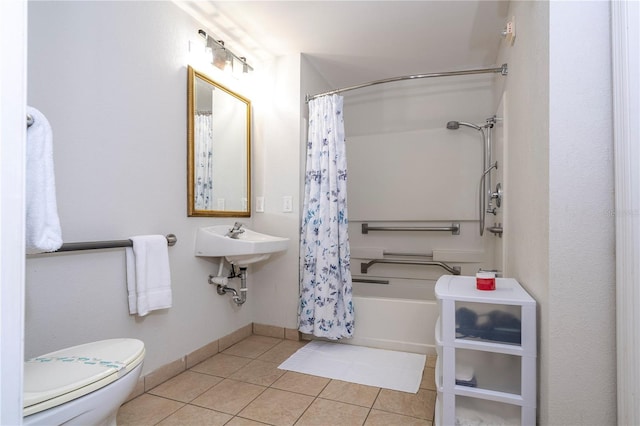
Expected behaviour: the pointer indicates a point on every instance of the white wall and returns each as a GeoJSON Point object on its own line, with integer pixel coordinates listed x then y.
{"type": "Point", "coordinates": [559, 235]}
{"type": "Point", "coordinates": [111, 77]}
{"type": "Point", "coordinates": [279, 172]}
{"type": "Point", "coordinates": [13, 93]}
{"type": "Point", "coordinates": [277, 175]}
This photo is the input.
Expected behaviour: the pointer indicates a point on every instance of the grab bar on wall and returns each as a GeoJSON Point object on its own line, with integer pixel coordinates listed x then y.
{"type": "Point", "coordinates": [386, 253]}
{"type": "Point", "coordinates": [93, 245]}
{"type": "Point", "coordinates": [367, 280]}
{"type": "Point", "coordinates": [454, 228]}
{"type": "Point", "coordinates": [454, 270]}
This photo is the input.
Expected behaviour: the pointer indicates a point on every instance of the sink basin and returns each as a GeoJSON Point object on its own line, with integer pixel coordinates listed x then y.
{"type": "Point", "coordinates": [249, 247]}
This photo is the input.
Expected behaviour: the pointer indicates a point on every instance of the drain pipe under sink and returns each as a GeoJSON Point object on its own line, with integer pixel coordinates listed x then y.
{"type": "Point", "coordinates": [223, 288]}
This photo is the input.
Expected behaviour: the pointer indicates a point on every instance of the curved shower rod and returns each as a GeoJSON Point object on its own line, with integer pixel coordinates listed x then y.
{"type": "Point", "coordinates": [503, 70]}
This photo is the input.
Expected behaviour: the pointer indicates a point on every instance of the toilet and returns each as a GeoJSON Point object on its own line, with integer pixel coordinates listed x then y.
{"type": "Point", "coordinates": [81, 385]}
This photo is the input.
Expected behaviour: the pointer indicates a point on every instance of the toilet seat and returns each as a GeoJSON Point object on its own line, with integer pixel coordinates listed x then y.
{"type": "Point", "coordinates": [61, 376]}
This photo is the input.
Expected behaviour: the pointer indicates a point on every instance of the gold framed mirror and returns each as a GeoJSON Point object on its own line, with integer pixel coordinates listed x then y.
{"type": "Point", "coordinates": [218, 149]}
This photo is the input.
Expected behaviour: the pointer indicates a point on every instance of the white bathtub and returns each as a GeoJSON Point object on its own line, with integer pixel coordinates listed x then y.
{"type": "Point", "coordinates": [399, 316]}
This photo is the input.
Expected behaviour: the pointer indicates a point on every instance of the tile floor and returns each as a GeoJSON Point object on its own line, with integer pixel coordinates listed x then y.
{"type": "Point", "coordinates": [243, 386]}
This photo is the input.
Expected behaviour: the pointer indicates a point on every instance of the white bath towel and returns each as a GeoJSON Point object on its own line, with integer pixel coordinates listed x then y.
{"type": "Point", "coordinates": [43, 232]}
{"type": "Point", "coordinates": [148, 274]}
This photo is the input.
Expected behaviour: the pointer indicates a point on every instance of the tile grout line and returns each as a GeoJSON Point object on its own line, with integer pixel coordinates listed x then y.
{"type": "Point", "coordinates": [314, 400]}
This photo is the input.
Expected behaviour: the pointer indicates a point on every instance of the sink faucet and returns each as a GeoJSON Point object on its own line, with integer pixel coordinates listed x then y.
{"type": "Point", "coordinates": [235, 231]}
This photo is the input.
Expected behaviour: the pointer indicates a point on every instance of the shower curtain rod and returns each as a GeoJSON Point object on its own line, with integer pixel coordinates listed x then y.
{"type": "Point", "coordinates": [502, 70]}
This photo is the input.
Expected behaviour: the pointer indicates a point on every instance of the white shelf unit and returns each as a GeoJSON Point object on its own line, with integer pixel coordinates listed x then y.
{"type": "Point", "coordinates": [499, 351]}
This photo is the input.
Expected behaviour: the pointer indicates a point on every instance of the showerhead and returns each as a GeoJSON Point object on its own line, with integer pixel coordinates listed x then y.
{"type": "Point", "coordinates": [455, 125]}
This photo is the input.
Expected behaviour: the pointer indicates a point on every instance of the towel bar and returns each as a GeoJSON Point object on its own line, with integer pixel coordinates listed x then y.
{"type": "Point", "coordinates": [93, 245]}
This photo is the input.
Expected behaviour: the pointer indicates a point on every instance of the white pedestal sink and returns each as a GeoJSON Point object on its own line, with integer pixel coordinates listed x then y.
{"type": "Point", "coordinates": [246, 248]}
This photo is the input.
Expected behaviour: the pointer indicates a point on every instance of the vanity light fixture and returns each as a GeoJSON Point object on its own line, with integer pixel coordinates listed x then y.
{"type": "Point", "coordinates": [224, 58]}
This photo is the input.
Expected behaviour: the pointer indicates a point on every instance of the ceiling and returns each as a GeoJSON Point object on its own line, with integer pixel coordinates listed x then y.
{"type": "Point", "coordinates": [352, 42]}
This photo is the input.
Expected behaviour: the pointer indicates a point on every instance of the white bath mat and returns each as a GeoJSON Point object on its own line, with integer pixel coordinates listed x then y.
{"type": "Point", "coordinates": [400, 371]}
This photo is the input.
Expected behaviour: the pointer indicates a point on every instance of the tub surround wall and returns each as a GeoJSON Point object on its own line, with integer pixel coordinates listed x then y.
{"type": "Point", "coordinates": [407, 169]}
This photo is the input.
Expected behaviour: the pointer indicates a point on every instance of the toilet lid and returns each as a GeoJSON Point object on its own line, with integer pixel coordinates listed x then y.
{"type": "Point", "coordinates": [58, 377]}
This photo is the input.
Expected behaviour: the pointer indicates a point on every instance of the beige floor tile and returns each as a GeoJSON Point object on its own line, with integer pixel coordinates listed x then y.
{"type": "Point", "coordinates": [252, 346]}
{"type": "Point", "coordinates": [350, 393]}
{"type": "Point", "coordinates": [221, 365]}
{"type": "Point", "coordinates": [324, 412]}
{"type": "Point", "coordinates": [186, 386]}
{"type": "Point", "coordinates": [258, 372]}
{"type": "Point", "coordinates": [428, 379]}
{"type": "Point", "coordinates": [282, 351]}
{"type": "Point", "coordinates": [382, 418]}
{"type": "Point", "coordinates": [190, 415]}
{"type": "Point", "coordinates": [277, 407]}
{"type": "Point", "coordinates": [229, 396]}
{"type": "Point", "coordinates": [431, 361]}
{"type": "Point", "coordinates": [146, 410]}
{"type": "Point", "coordinates": [420, 404]}
{"type": "Point", "coordinates": [301, 383]}
{"type": "Point", "coordinates": [239, 421]}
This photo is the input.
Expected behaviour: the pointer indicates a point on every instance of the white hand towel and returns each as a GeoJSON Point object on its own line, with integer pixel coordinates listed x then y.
{"type": "Point", "coordinates": [43, 232]}
{"type": "Point", "coordinates": [148, 274]}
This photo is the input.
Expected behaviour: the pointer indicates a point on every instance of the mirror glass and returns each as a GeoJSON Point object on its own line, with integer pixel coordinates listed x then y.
{"type": "Point", "coordinates": [218, 153]}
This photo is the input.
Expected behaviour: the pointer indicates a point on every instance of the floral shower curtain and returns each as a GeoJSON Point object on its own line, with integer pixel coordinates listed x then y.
{"type": "Point", "coordinates": [203, 163]}
{"type": "Point", "coordinates": [325, 309]}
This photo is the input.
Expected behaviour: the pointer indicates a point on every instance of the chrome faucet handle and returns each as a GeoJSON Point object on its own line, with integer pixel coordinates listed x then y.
{"type": "Point", "coordinates": [497, 195]}
{"type": "Point", "coordinates": [235, 231]}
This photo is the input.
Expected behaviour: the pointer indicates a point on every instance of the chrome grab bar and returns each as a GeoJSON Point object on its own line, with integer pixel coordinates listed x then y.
{"type": "Point", "coordinates": [367, 280]}
{"type": "Point", "coordinates": [454, 228]}
{"type": "Point", "coordinates": [453, 270]}
{"type": "Point", "coordinates": [93, 245]}
{"type": "Point", "coordinates": [386, 253]}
